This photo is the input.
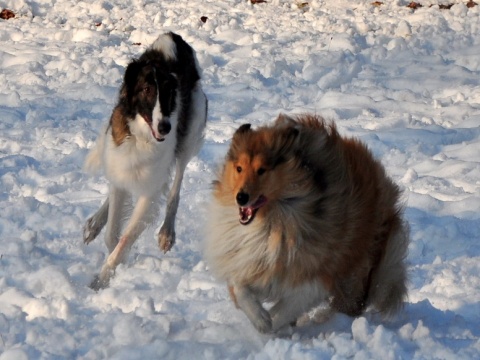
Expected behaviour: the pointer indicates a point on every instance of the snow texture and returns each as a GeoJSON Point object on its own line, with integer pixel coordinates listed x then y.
{"type": "Point", "coordinates": [404, 81]}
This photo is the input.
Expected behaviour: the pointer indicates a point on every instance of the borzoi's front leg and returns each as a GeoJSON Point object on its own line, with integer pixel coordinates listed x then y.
{"type": "Point", "coordinates": [142, 215]}
{"type": "Point", "coordinates": [166, 236]}
{"type": "Point", "coordinates": [110, 213]}
{"type": "Point", "coordinates": [116, 207]}
{"type": "Point", "coordinates": [95, 224]}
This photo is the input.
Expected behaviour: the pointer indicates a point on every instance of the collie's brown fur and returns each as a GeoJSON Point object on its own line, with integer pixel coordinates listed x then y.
{"type": "Point", "coordinates": [302, 215]}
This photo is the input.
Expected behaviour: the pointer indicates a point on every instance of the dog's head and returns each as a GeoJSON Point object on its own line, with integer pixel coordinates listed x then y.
{"type": "Point", "coordinates": [254, 170]}
{"type": "Point", "coordinates": [149, 96]}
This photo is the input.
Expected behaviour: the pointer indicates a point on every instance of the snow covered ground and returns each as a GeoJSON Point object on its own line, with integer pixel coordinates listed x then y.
{"type": "Point", "coordinates": [405, 81]}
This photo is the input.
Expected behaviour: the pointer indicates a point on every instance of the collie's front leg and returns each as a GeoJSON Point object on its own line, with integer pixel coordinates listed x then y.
{"type": "Point", "coordinates": [296, 302]}
{"type": "Point", "coordinates": [166, 235]}
{"type": "Point", "coordinates": [246, 299]}
{"type": "Point", "coordinates": [142, 215]}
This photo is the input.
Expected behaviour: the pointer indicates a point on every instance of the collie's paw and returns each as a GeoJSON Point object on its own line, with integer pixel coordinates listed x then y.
{"type": "Point", "coordinates": [263, 323]}
{"type": "Point", "coordinates": [261, 320]}
{"type": "Point", "coordinates": [282, 328]}
{"type": "Point", "coordinates": [166, 239]}
{"type": "Point", "coordinates": [91, 230]}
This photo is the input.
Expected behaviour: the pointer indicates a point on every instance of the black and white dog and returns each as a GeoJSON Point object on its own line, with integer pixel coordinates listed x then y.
{"type": "Point", "coordinates": [158, 124]}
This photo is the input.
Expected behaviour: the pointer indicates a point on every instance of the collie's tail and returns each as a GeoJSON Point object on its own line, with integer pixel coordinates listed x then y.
{"type": "Point", "coordinates": [388, 287]}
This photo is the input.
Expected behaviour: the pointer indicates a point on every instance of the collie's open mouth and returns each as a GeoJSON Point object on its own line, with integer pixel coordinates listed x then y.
{"type": "Point", "coordinates": [247, 213]}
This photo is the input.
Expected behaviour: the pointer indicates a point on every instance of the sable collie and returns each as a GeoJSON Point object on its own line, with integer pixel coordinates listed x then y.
{"type": "Point", "coordinates": [303, 216]}
{"type": "Point", "coordinates": [157, 124]}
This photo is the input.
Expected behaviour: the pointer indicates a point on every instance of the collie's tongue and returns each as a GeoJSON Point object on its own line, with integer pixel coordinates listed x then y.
{"type": "Point", "coordinates": [248, 213]}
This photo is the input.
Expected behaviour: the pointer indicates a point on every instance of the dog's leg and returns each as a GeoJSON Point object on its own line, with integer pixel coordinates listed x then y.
{"type": "Point", "coordinates": [166, 235]}
{"type": "Point", "coordinates": [95, 224]}
{"type": "Point", "coordinates": [251, 306]}
{"type": "Point", "coordinates": [296, 302]}
{"type": "Point", "coordinates": [142, 215]}
{"type": "Point", "coordinates": [192, 142]}
{"type": "Point", "coordinates": [116, 201]}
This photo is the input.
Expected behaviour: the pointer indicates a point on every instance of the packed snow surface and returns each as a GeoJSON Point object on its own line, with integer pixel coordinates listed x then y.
{"type": "Point", "coordinates": [405, 81]}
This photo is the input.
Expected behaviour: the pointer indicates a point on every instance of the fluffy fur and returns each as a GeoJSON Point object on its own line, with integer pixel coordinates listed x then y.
{"type": "Point", "coordinates": [157, 125]}
{"type": "Point", "coordinates": [302, 216]}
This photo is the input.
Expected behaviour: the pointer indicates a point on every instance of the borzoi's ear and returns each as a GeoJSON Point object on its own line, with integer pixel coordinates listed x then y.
{"type": "Point", "coordinates": [130, 79]}
{"type": "Point", "coordinates": [173, 81]}
{"type": "Point", "coordinates": [167, 87]}
{"type": "Point", "coordinates": [167, 80]}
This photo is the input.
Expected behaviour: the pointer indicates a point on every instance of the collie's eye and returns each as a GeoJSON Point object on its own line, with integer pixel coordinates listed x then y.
{"type": "Point", "coordinates": [147, 90]}
{"type": "Point", "coordinates": [261, 171]}
{"type": "Point", "coordinates": [239, 169]}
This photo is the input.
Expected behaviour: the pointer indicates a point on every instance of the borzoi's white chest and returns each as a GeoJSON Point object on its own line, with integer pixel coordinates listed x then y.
{"type": "Point", "coordinates": [137, 165]}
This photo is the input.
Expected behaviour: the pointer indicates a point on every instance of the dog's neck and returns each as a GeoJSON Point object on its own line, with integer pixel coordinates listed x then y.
{"type": "Point", "coordinates": [120, 128]}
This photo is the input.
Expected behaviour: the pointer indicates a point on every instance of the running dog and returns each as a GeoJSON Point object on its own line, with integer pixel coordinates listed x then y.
{"type": "Point", "coordinates": [157, 125]}
{"type": "Point", "coordinates": [303, 217]}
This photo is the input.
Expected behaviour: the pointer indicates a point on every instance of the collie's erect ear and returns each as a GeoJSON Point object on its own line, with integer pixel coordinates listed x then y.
{"type": "Point", "coordinates": [285, 120]}
{"type": "Point", "coordinates": [237, 139]}
{"type": "Point", "coordinates": [288, 129]}
{"type": "Point", "coordinates": [284, 141]}
{"type": "Point", "coordinates": [243, 129]}
{"type": "Point", "coordinates": [290, 135]}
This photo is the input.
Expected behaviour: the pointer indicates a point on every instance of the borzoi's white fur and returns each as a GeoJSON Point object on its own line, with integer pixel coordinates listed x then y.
{"type": "Point", "coordinates": [140, 167]}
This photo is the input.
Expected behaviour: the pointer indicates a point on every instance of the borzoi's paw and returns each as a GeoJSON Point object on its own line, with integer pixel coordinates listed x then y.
{"type": "Point", "coordinates": [166, 239]}
{"type": "Point", "coordinates": [91, 230]}
{"type": "Point", "coordinates": [102, 280]}
{"type": "Point", "coordinates": [98, 284]}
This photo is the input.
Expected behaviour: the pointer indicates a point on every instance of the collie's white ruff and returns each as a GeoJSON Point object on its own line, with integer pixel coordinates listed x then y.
{"type": "Point", "coordinates": [302, 217]}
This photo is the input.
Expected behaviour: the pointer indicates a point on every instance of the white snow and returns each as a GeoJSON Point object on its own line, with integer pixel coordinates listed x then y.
{"type": "Point", "coordinates": [407, 82]}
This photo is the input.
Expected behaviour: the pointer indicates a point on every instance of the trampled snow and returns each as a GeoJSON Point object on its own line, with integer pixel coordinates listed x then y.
{"type": "Point", "coordinates": [405, 81]}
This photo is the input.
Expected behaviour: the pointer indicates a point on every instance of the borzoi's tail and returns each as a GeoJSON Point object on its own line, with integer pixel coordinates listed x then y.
{"type": "Point", "coordinates": [94, 160]}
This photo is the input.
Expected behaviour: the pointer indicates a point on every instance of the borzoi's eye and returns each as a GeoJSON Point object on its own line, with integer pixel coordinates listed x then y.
{"type": "Point", "coordinates": [239, 169]}
{"type": "Point", "coordinates": [261, 171]}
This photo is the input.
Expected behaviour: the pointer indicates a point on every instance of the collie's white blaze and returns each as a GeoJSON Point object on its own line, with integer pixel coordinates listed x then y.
{"type": "Point", "coordinates": [166, 45]}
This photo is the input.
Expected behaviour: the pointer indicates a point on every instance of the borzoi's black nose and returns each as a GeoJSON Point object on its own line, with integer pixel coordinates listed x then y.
{"type": "Point", "coordinates": [164, 127]}
{"type": "Point", "coordinates": [242, 198]}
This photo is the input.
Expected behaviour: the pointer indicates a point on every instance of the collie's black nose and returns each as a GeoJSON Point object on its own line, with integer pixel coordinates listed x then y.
{"type": "Point", "coordinates": [242, 198]}
{"type": "Point", "coordinates": [164, 127]}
